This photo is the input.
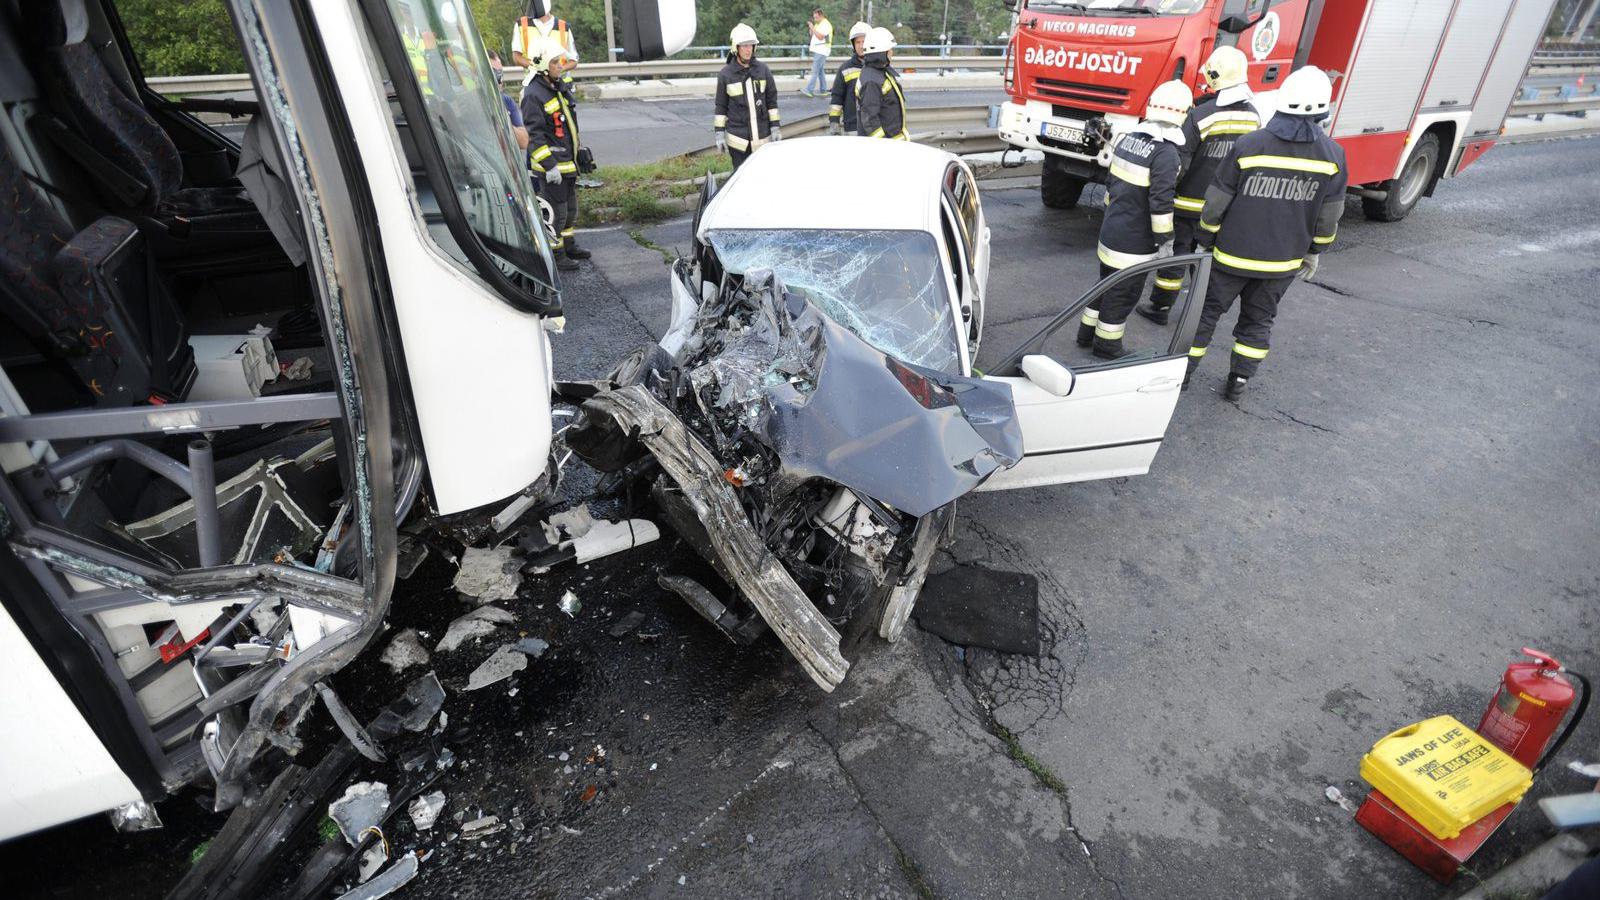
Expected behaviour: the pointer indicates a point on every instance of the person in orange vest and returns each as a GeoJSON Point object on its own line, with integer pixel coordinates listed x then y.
{"type": "Point", "coordinates": [535, 29]}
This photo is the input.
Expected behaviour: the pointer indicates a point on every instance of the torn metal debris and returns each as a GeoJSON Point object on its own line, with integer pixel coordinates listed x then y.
{"type": "Point", "coordinates": [820, 510]}
{"type": "Point", "coordinates": [488, 574]}
{"type": "Point", "coordinates": [501, 664]}
{"type": "Point", "coordinates": [481, 621]}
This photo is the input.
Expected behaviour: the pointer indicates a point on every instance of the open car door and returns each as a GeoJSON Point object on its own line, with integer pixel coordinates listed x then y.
{"type": "Point", "coordinates": [1090, 419]}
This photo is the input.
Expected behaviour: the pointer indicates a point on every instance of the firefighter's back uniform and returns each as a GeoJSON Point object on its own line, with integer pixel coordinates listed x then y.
{"type": "Point", "coordinates": [880, 103]}
{"type": "Point", "coordinates": [746, 115]}
{"type": "Point", "coordinates": [553, 148]}
{"type": "Point", "coordinates": [1137, 227]}
{"type": "Point", "coordinates": [1209, 132]}
{"type": "Point", "coordinates": [1275, 205]}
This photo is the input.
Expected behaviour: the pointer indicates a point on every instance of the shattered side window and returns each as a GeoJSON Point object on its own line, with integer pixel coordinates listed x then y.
{"type": "Point", "coordinates": [886, 286]}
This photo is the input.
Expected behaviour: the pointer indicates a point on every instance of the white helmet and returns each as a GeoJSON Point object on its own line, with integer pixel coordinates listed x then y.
{"type": "Point", "coordinates": [1225, 67]}
{"type": "Point", "coordinates": [545, 52]}
{"type": "Point", "coordinates": [1169, 103]}
{"type": "Point", "coordinates": [859, 29]}
{"type": "Point", "coordinates": [1306, 92]}
{"type": "Point", "coordinates": [743, 34]}
{"type": "Point", "coordinates": [879, 40]}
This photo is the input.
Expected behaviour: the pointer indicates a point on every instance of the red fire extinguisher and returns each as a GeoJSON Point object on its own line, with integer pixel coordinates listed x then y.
{"type": "Point", "coordinates": [1528, 708]}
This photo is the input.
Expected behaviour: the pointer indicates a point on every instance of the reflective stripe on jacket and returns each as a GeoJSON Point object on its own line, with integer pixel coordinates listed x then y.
{"type": "Point", "coordinates": [880, 103]}
{"type": "Point", "coordinates": [1210, 131]}
{"type": "Point", "coordinates": [552, 128]}
{"type": "Point", "coordinates": [842, 99]}
{"type": "Point", "coordinates": [746, 103]}
{"type": "Point", "coordinates": [1273, 202]}
{"type": "Point", "coordinates": [1139, 195]}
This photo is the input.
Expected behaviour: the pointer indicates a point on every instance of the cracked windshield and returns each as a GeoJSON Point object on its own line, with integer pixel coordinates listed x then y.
{"type": "Point", "coordinates": [886, 286]}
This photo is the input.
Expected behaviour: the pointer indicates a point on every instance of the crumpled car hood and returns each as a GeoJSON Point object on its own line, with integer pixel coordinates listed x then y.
{"type": "Point", "coordinates": [832, 406]}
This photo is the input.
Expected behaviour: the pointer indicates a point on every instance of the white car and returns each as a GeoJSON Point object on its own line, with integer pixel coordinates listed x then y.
{"type": "Point", "coordinates": [889, 238]}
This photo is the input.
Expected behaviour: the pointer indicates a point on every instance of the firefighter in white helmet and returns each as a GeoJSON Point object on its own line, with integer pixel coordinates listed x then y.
{"type": "Point", "coordinates": [747, 99]}
{"type": "Point", "coordinates": [1209, 131]}
{"type": "Point", "coordinates": [842, 99]}
{"type": "Point", "coordinates": [553, 147]}
{"type": "Point", "coordinates": [1274, 206]}
{"type": "Point", "coordinates": [880, 104]}
{"type": "Point", "coordinates": [1138, 222]}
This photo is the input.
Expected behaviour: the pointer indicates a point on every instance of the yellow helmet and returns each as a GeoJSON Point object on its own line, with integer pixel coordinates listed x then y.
{"type": "Point", "coordinates": [1169, 103]}
{"type": "Point", "coordinates": [1225, 67]}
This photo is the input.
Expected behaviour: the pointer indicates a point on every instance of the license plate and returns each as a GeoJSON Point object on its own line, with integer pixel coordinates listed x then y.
{"type": "Point", "coordinates": [1071, 134]}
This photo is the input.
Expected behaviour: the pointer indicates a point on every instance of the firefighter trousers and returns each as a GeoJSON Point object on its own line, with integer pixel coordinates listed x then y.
{"type": "Point", "coordinates": [738, 157]}
{"type": "Point", "coordinates": [1169, 280]}
{"type": "Point", "coordinates": [1258, 306]}
{"type": "Point", "coordinates": [563, 200]}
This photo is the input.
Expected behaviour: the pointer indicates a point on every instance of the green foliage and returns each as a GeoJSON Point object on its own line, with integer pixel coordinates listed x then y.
{"type": "Point", "coordinates": [181, 37]}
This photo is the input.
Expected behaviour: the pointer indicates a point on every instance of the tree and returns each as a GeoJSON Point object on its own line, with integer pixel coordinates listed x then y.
{"type": "Point", "coordinates": [181, 38]}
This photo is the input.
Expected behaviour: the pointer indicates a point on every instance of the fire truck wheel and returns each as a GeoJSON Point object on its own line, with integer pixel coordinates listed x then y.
{"type": "Point", "coordinates": [1059, 190]}
{"type": "Point", "coordinates": [1407, 190]}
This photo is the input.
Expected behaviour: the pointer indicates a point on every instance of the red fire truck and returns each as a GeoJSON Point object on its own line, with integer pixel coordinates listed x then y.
{"type": "Point", "coordinates": [1421, 87]}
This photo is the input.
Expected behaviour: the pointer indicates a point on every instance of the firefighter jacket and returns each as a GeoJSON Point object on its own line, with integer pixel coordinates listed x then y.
{"type": "Point", "coordinates": [552, 128]}
{"type": "Point", "coordinates": [747, 103]}
{"type": "Point", "coordinates": [1273, 201]}
{"type": "Point", "coordinates": [842, 99]}
{"type": "Point", "coordinates": [1139, 193]}
{"type": "Point", "coordinates": [880, 104]}
{"type": "Point", "coordinates": [1209, 132]}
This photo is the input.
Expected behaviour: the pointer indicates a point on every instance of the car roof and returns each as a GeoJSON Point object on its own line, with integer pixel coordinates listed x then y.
{"type": "Point", "coordinates": [833, 183]}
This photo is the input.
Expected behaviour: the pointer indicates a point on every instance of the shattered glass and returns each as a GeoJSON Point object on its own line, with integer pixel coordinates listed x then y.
{"type": "Point", "coordinates": [887, 287]}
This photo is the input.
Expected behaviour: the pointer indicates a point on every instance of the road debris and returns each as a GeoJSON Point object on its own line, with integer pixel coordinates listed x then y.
{"type": "Point", "coordinates": [424, 810]}
{"type": "Point", "coordinates": [627, 623]}
{"type": "Point", "coordinates": [488, 574]}
{"type": "Point", "coordinates": [481, 621]}
{"type": "Point", "coordinates": [480, 828]}
{"type": "Point", "coordinates": [1587, 770]}
{"type": "Point", "coordinates": [500, 665]}
{"type": "Point", "coordinates": [1335, 795]}
{"type": "Point", "coordinates": [404, 651]}
{"type": "Point", "coordinates": [570, 604]}
{"type": "Point", "coordinates": [393, 878]}
{"type": "Point", "coordinates": [972, 606]}
{"type": "Point", "coordinates": [568, 525]}
{"type": "Point", "coordinates": [532, 647]}
{"type": "Point", "coordinates": [360, 807]}
{"type": "Point", "coordinates": [139, 815]}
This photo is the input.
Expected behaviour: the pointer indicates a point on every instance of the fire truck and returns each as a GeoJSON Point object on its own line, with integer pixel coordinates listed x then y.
{"type": "Point", "coordinates": [1421, 87]}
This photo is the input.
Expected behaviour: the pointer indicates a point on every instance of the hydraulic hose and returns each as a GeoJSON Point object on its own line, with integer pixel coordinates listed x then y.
{"type": "Point", "coordinates": [1572, 724]}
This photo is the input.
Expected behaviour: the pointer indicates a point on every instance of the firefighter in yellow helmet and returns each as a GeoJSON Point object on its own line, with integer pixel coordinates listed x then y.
{"type": "Point", "coordinates": [746, 115]}
{"type": "Point", "coordinates": [1138, 223]}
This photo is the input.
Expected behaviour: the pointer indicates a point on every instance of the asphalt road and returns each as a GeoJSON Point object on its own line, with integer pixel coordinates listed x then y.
{"type": "Point", "coordinates": [1404, 498]}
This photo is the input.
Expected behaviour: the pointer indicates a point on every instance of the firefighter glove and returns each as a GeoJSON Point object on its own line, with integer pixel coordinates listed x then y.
{"type": "Point", "coordinates": [722, 142]}
{"type": "Point", "coordinates": [552, 175]}
{"type": "Point", "coordinates": [1204, 240]}
{"type": "Point", "coordinates": [1165, 250]}
{"type": "Point", "coordinates": [777, 133]}
{"type": "Point", "coordinates": [1308, 266]}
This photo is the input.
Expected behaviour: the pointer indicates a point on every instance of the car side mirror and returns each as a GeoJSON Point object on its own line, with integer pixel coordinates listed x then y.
{"type": "Point", "coordinates": [1048, 374]}
{"type": "Point", "coordinates": [1235, 24]}
{"type": "Point", "coordinates": [655, 29]}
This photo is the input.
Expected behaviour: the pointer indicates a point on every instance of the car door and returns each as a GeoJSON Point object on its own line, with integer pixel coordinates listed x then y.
{"type": "Point", "coordinates": [1100, 419]}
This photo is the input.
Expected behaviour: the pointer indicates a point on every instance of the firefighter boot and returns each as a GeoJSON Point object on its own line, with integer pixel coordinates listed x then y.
{"type": "Point", "coordinates": [1188, 372]}
{"type": "Point", "coordinates": [1090, 318]}
{"type": "Point", "coordinates": [576, 252]}
{"type": "Point", "coordinates": [1110, 348]}
{"type": "Point", "coordinates": [1235, 388]}
{"type": "Point", "coordinates": [1155, 312]}
{"type": "Point", "coordinates": [565, 263]}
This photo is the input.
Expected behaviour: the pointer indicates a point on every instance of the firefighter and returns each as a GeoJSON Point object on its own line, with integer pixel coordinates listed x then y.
{"type": "Point", "coordinates": [842, 101]}
{"type": "Point", "coordinates": [553, 143]}
{"type": "Point", "coordinates": [1274, 206]}
{"type": "Point", "coordinates": [747, 99]}
{"type": "Point", "coordinates": [880, 104]}
{"type": "Point", "coordinates": [1209, 130]}
{"type": "Point", "coordinates": [1138, 222]}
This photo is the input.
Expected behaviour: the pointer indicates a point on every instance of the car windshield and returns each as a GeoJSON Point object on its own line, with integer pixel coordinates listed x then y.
{"type": "Point", "coordinates": [886, 286]}
{"type": "Point", "coordinates": [468, 119]}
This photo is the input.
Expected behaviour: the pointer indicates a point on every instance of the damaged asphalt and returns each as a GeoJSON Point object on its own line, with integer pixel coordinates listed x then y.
{"type": "Point", "coordinates": [1403, 499]}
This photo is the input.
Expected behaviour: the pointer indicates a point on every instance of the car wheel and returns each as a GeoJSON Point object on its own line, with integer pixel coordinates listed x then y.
{"type": "Point", "coordinates": [1060, 190]}
{"type": "Point", "coordinates": [1404, 192]}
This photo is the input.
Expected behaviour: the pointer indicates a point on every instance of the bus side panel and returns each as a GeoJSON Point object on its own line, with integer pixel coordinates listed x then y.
{"type": "Point", "coordinates": [1474, 33]}
{"type": "Point", "coordinates": [1510, 63]}
{"type": "Point", "coordinates": [1393, 59]}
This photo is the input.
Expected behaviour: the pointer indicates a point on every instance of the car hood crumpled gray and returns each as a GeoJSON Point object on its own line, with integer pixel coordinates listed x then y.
{"type": "Point", "coordinates": [832, 406]}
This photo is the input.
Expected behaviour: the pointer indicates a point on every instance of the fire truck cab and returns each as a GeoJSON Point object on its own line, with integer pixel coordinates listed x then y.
{"type": "Point", "coordinates": [1421, 87]}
